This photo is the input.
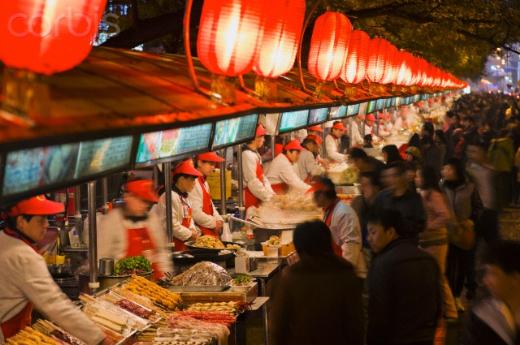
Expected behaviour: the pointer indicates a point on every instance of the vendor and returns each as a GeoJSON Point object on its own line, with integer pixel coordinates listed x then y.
{"type": "Point", "coordinates": [355, 132]}
{"type": "Point", "coordinates": [205, 214]}
{"type": "Point", "coordinates": [184, 178]}
{"type": "Point", "coordinates": [256, 186]}
{"type": "Point", "coordinates": [315, 130]}
{"type": "Point", "coordinates": [132, 230]}
{"type": "Point", "coordinates": [343, 223]}
{"type": "Point", "coordinates": [282, 175]}
{"type": "Point", "coordinates": [25, 279]}
{"type": "Point", "coordinates": [308, 163]}
{"type": "Point", "coordinates": [370, 121]}
{"type": "Point", "coordinates": [332, 142]}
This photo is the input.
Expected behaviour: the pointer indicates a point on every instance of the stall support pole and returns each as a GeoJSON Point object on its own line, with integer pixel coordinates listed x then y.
{"type": "Point", "coordinates": [104, 188]}
{"type": "Point", "coordinates": [273, 143]}
{"type": "Point", "coordinates": [78, 220]}
{"type": "Point", "coordinates": [240, 182]}
{"type": "Point", "coordinates": [223, 204]}
{"type": "Point", "coordinates": [167, 168]}
{"type": "Point", "coordinates": [92, 236]}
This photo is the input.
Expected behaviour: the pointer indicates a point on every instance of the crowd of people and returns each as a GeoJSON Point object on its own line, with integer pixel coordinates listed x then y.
{"type": "Point", "coordinates": [428, 218]}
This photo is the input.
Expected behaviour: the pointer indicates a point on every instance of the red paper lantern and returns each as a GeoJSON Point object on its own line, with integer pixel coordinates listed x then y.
{"type": "Point", "coordinates": [404, 73]}
{"type": "Point", "coordinates": [48, 36]}
{"type": "Point", "coordinates": [229, 31]}
{"type": "Point", "coordinates": [281, 36]}
{"type": "Point", "coordinates": [377, 59]}
{"type": "Point", "coordinates": [355, 67]}
{"type": "Point", "coordinates": [391, 64]}
{"type": "Point", "coordinates": [329, 43]}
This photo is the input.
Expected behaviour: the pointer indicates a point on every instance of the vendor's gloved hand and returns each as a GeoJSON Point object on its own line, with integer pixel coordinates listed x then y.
{"type": "Point", "coordinates": [219, 225]}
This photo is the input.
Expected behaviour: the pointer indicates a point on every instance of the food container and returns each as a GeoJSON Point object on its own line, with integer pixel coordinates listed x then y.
{"type": "Point", "coordinates": [269, 250]}
{"type": "Point", "coordinates": [106, 267]}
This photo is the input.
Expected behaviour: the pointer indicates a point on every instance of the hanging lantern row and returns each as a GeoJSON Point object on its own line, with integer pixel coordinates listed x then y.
{"type": "Point", "coordinates": [235, 37]}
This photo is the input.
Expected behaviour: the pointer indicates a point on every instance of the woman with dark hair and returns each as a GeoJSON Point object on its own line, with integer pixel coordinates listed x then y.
{"type": "Point", "coordinates": [440, 140]}
{"type": "Point", "coordinates": [496, 319]}
{"type": "Point", "coordinates": [465, 206]}
{"type": "Point", "coordinates": [391, 154]}
{"type": "Point", "coordinates": [434, 239]}
{"type": "Point", "coordinates": [415, 140]}
{"type": "Point", "coordinates": [334, 316]}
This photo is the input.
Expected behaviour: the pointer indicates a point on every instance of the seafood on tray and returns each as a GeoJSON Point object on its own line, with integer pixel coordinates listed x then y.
{"type": "Point", "coordinates": [202, 274]}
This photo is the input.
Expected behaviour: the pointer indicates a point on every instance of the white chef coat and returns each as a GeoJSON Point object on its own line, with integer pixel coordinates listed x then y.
{"type": "Point", "coordinates": [282, 171]}
{"type": "Point", "coordinates": [260, 189]}
{"type": "Point", "coordinates": [179, 231]}
{"type": "Point", "coordinates": [331, 146]}
{"type": "Point", "coordinates": [307, 165]}
{"type": "Point", "coordinates": [201, 218]}
{"type": "Point", "coordinates": [356, 137]}
{"type": "Point", "coordinates": [113, 239]}
{"type": "Point", "coordinates": [346, 232]}
{"type": "Point", "coordinates": [24, 277]}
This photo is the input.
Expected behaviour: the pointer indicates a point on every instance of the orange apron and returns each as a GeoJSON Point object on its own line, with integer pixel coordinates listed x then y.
{"type": "Point", "coordinates": [249, 198]}
{"type": "Point", "coordinates": [328, 220]}
{"type": "Point", "coordinates": [24, 316]}
{"type": "Point", "coordinates": [139, 241]}
{"type": "Point", "coordinates": [186, 222]}
{"type": "Point", "coordinates": [207, 208]}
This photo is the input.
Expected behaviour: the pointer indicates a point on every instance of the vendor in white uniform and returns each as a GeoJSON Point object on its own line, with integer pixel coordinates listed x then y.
{"type": "Point", "coordinates": [132, 230]}
{"type": "Point", "coordinates": [343, 223]}
{"type": "Point", "coordinates": [282, 175]}
{"type": "Point", "coordinates": [205, 214]}
{"type": "Point", "coordinates": [184, 178]}
{"type": "Point", "coordinates": [308, 163]}
{"type": "Point", "coordinates": [355, 132]}
{"type": "Point", "coordinates": [316, 130]}
{"type": "Point", "coordinates": [25, 281]}
{"type": "Point", "coordinates": [256, 185]}
{"type": "Point", "coordinates": [332, 143]}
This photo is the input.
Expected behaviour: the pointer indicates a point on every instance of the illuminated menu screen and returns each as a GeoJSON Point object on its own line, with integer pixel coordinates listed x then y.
{"type": "Point", "coordinates": [174, 142]}
{"type": "Point", "coordinates": [235, 130]}
{"type": "Point", "coordinates": [371, 107]}
{"type": "Point", "coordinates": [388, 102]}
{"type": "Point", "coordinates": [353, 109]}
{"type": "Point", "coordinates": [293, 120]}
{"type": "Point", "coordinates": [416, 98]}
{"type": "Point", "coordinates": [41, 167]}
{"type": "Point", "coordinates": [338, 112]}
{"type": "Point", "coordinates": [318, 116]}
{"type": "Point", "coordinates": [380, 104]}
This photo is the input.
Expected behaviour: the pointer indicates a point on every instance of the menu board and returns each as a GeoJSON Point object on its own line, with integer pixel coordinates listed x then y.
{"type": "Point", "coordinates": [380, 104]}
{"type": "Point", "coordinates": [416, 98]}
{"type": "Point", "coordinates": [41, 167]}
{"type": "Point", "coordinates": [102, 155]}
{"type": "Point", "coordinates": [371, 107]}
{"type": "Point", "coordinates": [394, 101]}
{"type": "Point", "coordinates": [317, 116]}
{"type": "Point", "coordinates": [293, 120]}
{"type": "Point", "coordinates": [388, 102]}
{"type": "Point", "coordinates": [235, 130]}
{"type": "Point", "coordinates": [353, 109]}
{"type": "Point", "coordinates": [173, 142]}
{"type": "Point", "coordinates": [338, 112]}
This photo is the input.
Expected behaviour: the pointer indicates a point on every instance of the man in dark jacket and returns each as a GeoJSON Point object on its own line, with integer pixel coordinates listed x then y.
{"type": "Point", "coordinates": [399, 196]}
{"type": "Point", "coordinates": [403, 285]}
{"type": "Point", "coordinates": [496, 320]}
{"type": "Point", "coordinates": [318, 300]}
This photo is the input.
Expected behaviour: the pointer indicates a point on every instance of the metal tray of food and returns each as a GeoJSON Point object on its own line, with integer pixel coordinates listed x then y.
{"type": "Point", "coordinates": [198, 288]}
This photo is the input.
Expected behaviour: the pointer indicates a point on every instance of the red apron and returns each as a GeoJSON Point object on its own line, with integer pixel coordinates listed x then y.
{"type": "Point", "coordinates": [328, 220]}
{"type": "Point", "coordinates": [249, 198]}
{"type": "Point", "coordinates": [139, 241]}
{"type": "Point", "coordinates": [280, 188]}
{"type": "Point", "coordinates": [207, 208]}
{"type": "Point", "coordinates": [24, 316]}
{"type": "Point", "coordinates": [186, 222]}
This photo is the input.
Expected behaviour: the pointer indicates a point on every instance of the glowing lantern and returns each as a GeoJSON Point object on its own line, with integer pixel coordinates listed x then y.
{"type": "Point", "coordinates": [355, 67]}
{"type": "Point", "coordinates": [391, 65]}
{"type": "Point", "coordinates": [46, 36]}
{"type": "Point", "coordinates": [229, 31]}
{"type": "Point", "coordinates": [281, 35]}
{"type": "Point", "coordinates": [329, 43]}
{"type": "Point", "coordinates": [404, 73]}
{"type": "Point", "coordinates": [377, 59]}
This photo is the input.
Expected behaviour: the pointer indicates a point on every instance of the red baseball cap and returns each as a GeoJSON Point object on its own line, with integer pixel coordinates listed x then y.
{"type": "Point", "coordinates": [210, 157]}
{"type": "Point", "coordinates": [278, 148]}
{"type": "Point", "coordinates": [293, 145]}
{"type": "Point", "coordinates": [339, 125]}
{"type": "Point", "coordinates": [370, 118]}
{"type": "Point", "coordinates": [316, 128]}
{"type": "Point", "coordinates": [315, 138]}
{"type": "Point", "coordinates": [37, 206]}
{"type": "Point", "coordinates": [143, 189]}
{"type": "Point", "coordinates": [186, 168]}
{"type": "Point", "coordinates": [260, 131]}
